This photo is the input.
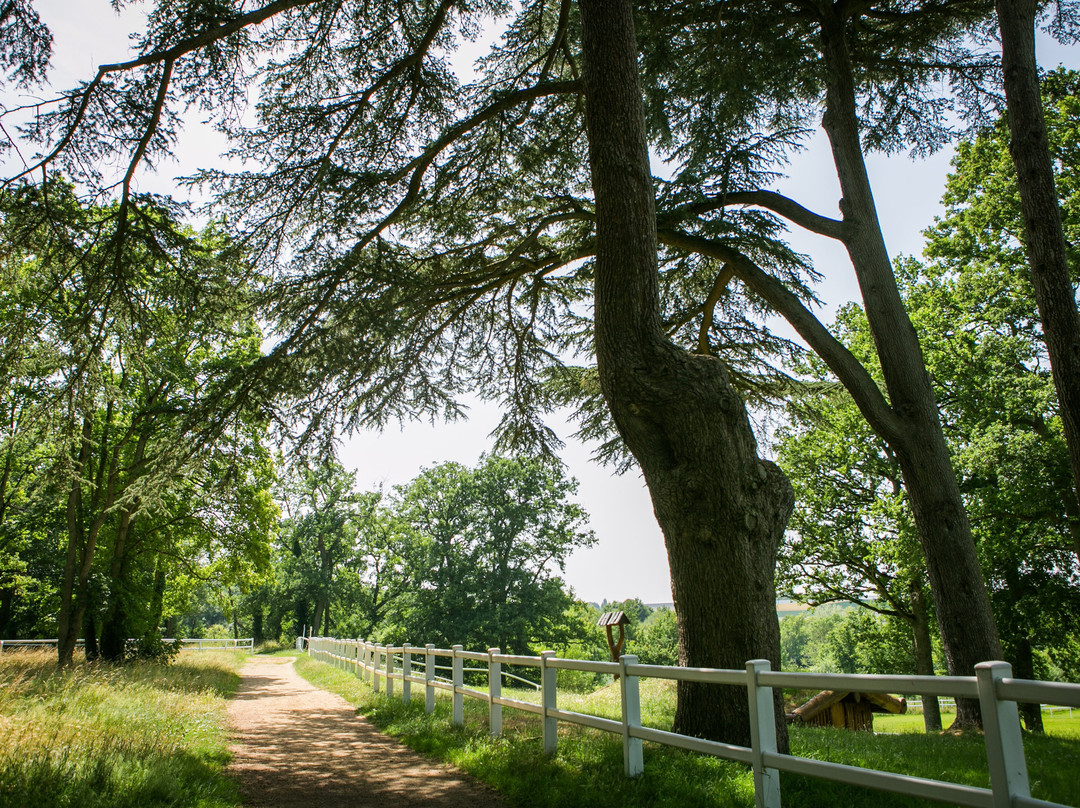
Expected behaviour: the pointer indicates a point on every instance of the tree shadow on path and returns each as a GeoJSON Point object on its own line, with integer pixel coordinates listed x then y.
{"type": "Point", "coordinates": [297, 745]}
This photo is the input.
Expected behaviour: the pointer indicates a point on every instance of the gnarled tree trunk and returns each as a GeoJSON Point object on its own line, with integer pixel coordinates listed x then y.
{"type": "Point", "coordinates": [722, 509]}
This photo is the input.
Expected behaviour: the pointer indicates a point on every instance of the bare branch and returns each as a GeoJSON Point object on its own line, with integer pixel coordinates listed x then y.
{"type": "Point", "coordinates": [770, 200]}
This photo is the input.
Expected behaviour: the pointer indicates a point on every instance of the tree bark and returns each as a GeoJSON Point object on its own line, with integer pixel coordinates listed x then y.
{"type": "Point", "coordinates": [7, 601]}
{"type": "Point", "coordinates": [114, 629]}
{"type": "Point", "coordinates": [90, 640]}
{"type": "Point", "coordinates": [157, 599]}
{"type": "Point", "coordinates": [70, 618]}
{"type": "Point", "coordinates": [721, 508]}
{"type": "Point", "coordinates": [1044, 235]}
{"type": "Point", "coordinates": [1024, 668]}
{"type": "Point", "coordinates": [962, 604]}
{"type": "Point", "coordinates": [924, 655]}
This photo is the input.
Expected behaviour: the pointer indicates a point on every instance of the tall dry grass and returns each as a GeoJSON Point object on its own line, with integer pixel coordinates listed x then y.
{"type": "Point", "coordinates": [101, 735]}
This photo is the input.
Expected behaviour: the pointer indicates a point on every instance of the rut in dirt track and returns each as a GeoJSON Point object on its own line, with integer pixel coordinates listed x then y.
{"type": "Point", "coordinates": [296, 745]}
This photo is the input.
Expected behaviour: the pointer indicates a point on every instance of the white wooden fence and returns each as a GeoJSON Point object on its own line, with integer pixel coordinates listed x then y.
{"type": "Point", "coordinates": [247, 644]}
{"type": "Point", "coordinates": [993, 685]}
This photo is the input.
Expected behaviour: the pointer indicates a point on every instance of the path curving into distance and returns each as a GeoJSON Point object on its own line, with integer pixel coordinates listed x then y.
{"type": "Point", "coordinates": [297, 746]}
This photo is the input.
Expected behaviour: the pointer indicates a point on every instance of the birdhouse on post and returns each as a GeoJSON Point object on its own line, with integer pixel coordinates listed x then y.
{"type": "Point", "coordinates": [609, 620]}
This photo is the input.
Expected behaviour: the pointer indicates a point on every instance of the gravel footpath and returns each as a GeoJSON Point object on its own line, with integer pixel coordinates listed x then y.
{"type": "Point", "coordinates": [296, 745]}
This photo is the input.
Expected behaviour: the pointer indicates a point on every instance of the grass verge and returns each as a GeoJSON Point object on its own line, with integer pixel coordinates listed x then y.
{"type": "Point", "coordinates": [588, 767]}
{"type": "Point", "coordinates": [97, 736]}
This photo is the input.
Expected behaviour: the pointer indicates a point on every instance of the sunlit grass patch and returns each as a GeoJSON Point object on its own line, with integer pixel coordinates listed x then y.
{"type": "Point", "coordinates": [101, 735]}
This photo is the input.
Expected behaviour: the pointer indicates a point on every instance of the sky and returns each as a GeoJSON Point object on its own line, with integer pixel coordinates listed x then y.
{"type": "Point", "coordinates": [628, 559]}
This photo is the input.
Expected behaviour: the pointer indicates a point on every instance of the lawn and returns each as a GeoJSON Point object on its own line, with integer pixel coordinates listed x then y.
{"type": "Point", "coordinates": [588, 767]}
{"type": "Point", "coordinates": [103, 736]}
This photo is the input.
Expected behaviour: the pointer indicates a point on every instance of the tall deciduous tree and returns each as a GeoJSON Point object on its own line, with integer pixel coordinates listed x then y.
{"type": "Point", "coordinates": [851, 537]}
{"type": "Point", "coordinates": [488, 547]}
{"type": "Point", "coordinates": [122, 342]}
{"type": "Point", "coordinates": [985, 225]}
{"type": "Point", "coordinates": [319, 536]}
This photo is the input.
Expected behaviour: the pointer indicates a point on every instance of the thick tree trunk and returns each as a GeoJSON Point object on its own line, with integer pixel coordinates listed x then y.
{"type": "Point", "coordinates": [90, 640]}
{"type": "Point", "coordinates": [960, 597]}
{"type": "Point", "coordinates": [7, 601]}
{"type": "Point", "coordinates": [1045, 238]}
{"type": "Point", "coordinates": [924, 655]}
{"type": "Point", "coordinates": [114, 629]}
{"type": "Point", "coordinates": [1024, 668]}
{"type": "Point", "coordinates": [70, 618]}
{"type": "Point", "coordinates": [721, 508]}
{"type": "Point", "coordinates": [257, 625]}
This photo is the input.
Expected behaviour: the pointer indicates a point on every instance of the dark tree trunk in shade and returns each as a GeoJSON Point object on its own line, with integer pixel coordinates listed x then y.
{"type": "Point", "coordinates": [90, 639]}
{"type": "Point", "coordinates": [961, 602]}
{"type": "Point", "coordinates": [1044, 236]}
{"type": "Point", "coordinates": [157, 600]}
{"type": "Point", "coordinates": [7, 601]}
{"type": "Point", "coordinates": [1024, 668]}
{"type": "Point", "coordinates": [114, 629]}
{"type": "Point", "coordinates": [924, 655]}
{"type": "Point", "coordinates": [721, 508]}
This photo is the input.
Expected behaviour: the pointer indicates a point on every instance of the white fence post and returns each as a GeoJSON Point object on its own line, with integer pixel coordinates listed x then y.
{"type": "Point", "coordinates": [367, 652]}
{"type": "Point", "coordinates": [406, 672]}
{"type": "Point", "coordinates": [762, 735]}
{"type": "Point", "coordinates": [548, 699]}
{"type": "Point", "coordinates": [633, 761]}
{"type": "Point", "coordinates": [1001, 731]}
{"type": "Point", "coordinates": [494, 692]}
{"type": "Point", "coordinates": [459, 682]}
{"type": "Point", "coordinates": [376, 660]}
{"type": "Point", "coordinates": [429, 678]}
{"type": "Point", "coordinates": [389, 671]}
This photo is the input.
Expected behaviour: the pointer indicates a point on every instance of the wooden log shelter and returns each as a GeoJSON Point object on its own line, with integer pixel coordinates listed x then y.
{"type": "Point", "coordinates": [845, 709]}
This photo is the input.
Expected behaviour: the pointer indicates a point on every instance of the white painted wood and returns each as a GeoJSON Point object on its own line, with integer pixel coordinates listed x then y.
{"type": "Point", "coordinates": [376, 663]}
{"type": "Point", "coordinates": [406, 672]}
{"type": "Point", "coordinates": [494, 692]}
{"type": "Point", "coordinates": [762, 735]}
{"type": "Point", "coordinates": [1001, 729]}
{"type": "Point", "coordinates": [389, 670]}
{"type": "Point", "coordinates": [459, 682]}
{"type": "Point", "coordinates": [549, 701]}
{"type": "Point", "coordinates": [633, 761]}
{"type": "Point", "coordinates": [429, 678]}
{"type": "Point", "coordinates": [993, 685]}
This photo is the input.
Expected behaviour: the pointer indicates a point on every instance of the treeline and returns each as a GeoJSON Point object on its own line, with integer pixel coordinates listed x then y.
{"type": "Point", "coordinates": [457, 555]}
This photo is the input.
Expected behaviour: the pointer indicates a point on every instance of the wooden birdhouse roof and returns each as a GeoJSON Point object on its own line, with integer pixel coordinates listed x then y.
{"type": "Point", "coordinates": [613, 619]}
{"type": "Point", "coordinates": [878, 703]}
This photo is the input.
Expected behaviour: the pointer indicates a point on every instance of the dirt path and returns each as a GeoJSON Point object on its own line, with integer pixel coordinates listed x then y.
{"type": "Point", "coordinates": [298, 746]}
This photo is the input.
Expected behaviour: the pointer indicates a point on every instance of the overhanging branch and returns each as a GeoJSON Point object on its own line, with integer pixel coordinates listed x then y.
{"type": "Point", "coordinates": [862, 387]}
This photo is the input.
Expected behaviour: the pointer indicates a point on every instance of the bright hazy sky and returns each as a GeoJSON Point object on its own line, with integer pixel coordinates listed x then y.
{"type": "Point", "coordinates": [628, 559]}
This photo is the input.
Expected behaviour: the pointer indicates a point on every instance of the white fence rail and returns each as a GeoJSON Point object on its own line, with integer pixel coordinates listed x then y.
{"type": "Point", "coordinates": [188, 643]}
{"type": "Point", "coordinates": [993, 685]}
{"type": "Point", "coordinates": [247, 644]}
